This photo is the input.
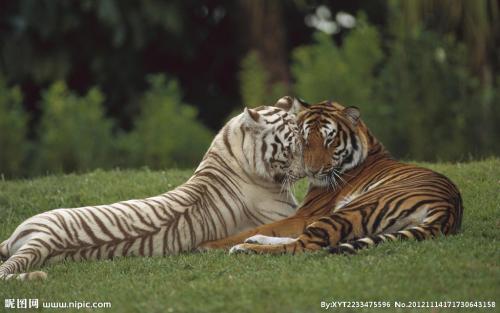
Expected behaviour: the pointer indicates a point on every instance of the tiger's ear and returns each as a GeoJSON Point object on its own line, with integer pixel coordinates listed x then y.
{"type": "Point", "coordinates": [252, 117]}
{"type": "Point", "coordinates": [291, 104]}
{"type": "Point", "coordinates": [353, 114]}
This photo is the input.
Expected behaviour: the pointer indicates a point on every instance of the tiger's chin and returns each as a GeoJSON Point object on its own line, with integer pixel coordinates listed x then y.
{"type": "Point", "coordinates": [279, 178]}
{"type": "Point", "coordinates": [324, 181]}
{"type": "Point", "coordinates": [318, 182]}
{"type": "Point", "coordinates": [285, 178]}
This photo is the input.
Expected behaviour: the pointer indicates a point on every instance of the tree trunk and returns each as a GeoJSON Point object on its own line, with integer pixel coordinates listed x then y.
{"type": "Point", "coordinates": [263, 30]}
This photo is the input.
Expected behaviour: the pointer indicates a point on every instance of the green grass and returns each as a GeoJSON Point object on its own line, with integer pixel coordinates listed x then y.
{"type": "Point", "coordinates": [462, 267]}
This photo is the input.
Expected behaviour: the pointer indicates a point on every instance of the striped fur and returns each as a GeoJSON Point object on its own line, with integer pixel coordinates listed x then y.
{"type": "Point", "coordinates": [359, 195]}
{"type": "Point", "coordinates": [242, 182]}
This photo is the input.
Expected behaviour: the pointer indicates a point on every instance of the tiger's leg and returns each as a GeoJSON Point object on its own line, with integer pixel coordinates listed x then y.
{"type": "Point", "coordinates": [345, 226]}
{"type": "Point", "coordinates": [4, 252]}
{"type": "Point", "coordinates": [360, 221]}
{"type": "Point", "coordinates": [327, 231]}
{"type": "Point", "coordinates": [290, 227]}
{"type": "Point", "coordinates": [437, 223]}
{"type": "Point", "coordinates": [30, 255]}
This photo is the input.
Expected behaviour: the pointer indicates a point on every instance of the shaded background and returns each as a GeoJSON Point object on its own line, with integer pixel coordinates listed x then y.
{"type": "Point", "coordinates": [103, 84]}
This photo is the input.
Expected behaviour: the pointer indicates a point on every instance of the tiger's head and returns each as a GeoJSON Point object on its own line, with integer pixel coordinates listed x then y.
{"type": "Point", "coordinates": [270, 144]}
{"type": "Point", "coordinates": [277, 147]}
{"type": "Point", "coordinates": [334, 139]}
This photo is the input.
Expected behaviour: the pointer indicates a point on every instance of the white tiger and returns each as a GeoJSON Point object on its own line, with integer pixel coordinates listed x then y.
{"type": "Point", "coordinates": [241, 182]}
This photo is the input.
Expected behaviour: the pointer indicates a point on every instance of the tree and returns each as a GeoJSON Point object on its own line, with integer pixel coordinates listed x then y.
{"type": "Point", "coordinates": [13, 129]}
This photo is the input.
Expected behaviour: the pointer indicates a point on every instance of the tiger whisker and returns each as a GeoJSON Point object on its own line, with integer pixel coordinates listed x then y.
{"type": "Point", "coordinates": [287, 185]}
{"type": "Point", "coordinates": [339, 175]}
{"type": "Point", "coordinates": [332, 182]}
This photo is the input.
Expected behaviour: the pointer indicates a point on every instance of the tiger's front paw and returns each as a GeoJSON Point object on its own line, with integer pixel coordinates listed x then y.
{"type": "Point", "coordinates": [240, 249]}
{"type": "Point", "coordinates": [257, 239]}
{"type": "Point", "coordinates": [267, 240]}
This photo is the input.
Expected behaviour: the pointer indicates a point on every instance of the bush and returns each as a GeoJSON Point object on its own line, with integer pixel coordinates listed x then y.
{"type": "Point", "coordinates": [425, 95]}
{"type": "Point", "coordinates": [13, 130]}
{"type": "Point", "coordinates": [419, 99]}
{"type": "Point", "coordinates": [324, 70]}
{"type": "Point", "coordinates": [166, 132]}
{"type": "Point", "coordinates": [255, 88]}
{"type": "Point", "coordinates": [74, 133]}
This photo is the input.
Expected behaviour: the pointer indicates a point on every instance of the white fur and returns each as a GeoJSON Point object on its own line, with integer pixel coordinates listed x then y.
{"type": "Point", "coordinates": [342, 203]}
{"type": "Point", "coordinates": [180, 219]}
{"type": "Point", "coordinates": [414, 219]}
{"type": "Point", "coordinates": [267, 240]}
{"type": "Point", "coordinates": [238, 249]}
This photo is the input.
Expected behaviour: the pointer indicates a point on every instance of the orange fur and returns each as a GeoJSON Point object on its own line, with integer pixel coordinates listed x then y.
{"type": "Point", "coordinates": [372, 200]}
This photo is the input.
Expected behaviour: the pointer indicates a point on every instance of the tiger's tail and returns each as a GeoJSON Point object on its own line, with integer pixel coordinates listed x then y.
{"type": "Point", "coordinates": [419, 232]}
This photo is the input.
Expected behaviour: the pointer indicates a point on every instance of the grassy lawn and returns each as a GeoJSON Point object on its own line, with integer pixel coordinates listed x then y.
{"type": "Point", "coordinates": [463, 267]}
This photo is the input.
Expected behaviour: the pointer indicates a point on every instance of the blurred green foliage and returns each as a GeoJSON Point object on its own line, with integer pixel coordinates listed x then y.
{"type": "Point", "coordinates": [424, 94]}
{"type": "Point", "coordinates": [255, 86]}
{"type": "Point", "coordinates": [114, 45]}
{"type": "Point", "coordinates": [74, 134]}
{"type": "Point", "coordinates": [256, 89]}
{"type": "Point", "coordinates": [424, 73]}
{"type": "Point", "coordinates": [166, 132]}
{"type": "Point", "coordinates": [13, 128]}
{"type": "Point", "coordinates": [325, 70]}
{"type": "Point", "coordinates": [416, 92]}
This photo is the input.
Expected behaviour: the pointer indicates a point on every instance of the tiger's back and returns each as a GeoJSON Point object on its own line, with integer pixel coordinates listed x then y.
{"type": "Point", "coordinates": [402, 195]}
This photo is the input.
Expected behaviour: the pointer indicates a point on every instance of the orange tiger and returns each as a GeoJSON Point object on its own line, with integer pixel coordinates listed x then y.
{"type": "Point", "coordinates": [359, 195]}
